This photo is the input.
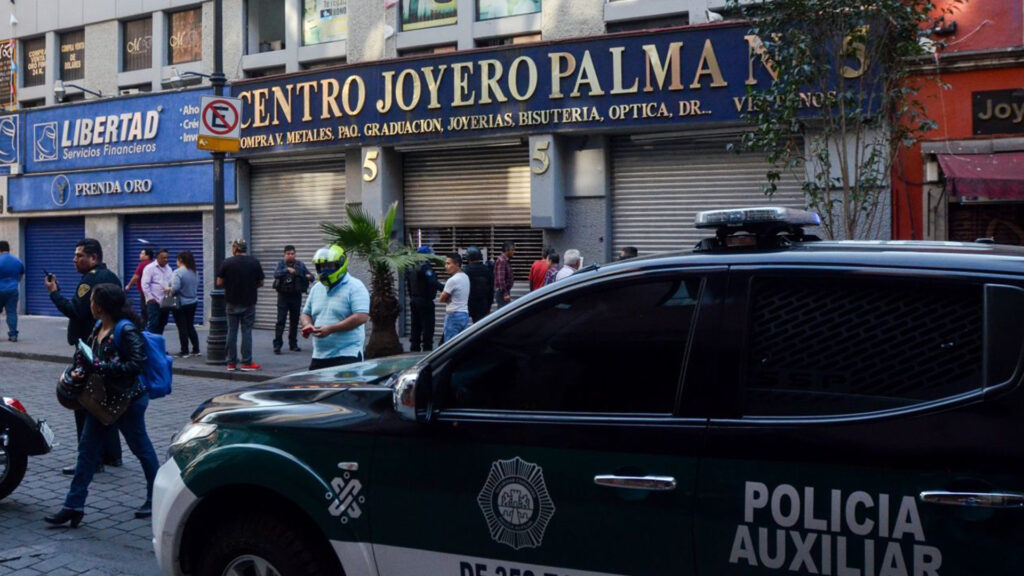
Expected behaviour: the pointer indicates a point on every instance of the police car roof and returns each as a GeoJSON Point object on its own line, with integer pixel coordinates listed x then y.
{"type": "Point", "coordinates": [966, 256]}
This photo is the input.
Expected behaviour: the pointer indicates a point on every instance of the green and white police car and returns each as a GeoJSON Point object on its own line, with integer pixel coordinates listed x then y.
{"type": "Point", "coordinates": [765, 403]}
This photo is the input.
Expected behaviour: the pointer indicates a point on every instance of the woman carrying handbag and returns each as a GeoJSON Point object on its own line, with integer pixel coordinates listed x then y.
{"type": "Point", "coordinates": [116, 368]}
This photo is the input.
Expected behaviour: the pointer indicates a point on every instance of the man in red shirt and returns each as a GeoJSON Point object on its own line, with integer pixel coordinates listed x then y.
{"type": "Point", "coordinates": [540, 268]}
{"type": "Point", "coordinates": [145, 257]}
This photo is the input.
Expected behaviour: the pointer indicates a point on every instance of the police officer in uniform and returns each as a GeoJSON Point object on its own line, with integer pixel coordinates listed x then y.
{"type": "Point", "coordinates": [423, 286]}
{"type": "Point", "coordinates": [89, 262]}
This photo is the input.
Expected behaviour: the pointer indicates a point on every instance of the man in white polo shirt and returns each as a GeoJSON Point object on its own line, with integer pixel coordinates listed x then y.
{"type": "Point", "coordinates": [455, 297]}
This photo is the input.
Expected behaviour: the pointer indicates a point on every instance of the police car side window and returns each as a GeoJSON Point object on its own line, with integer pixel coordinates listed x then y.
{"type": "Point", "coordinates": [617, 349]}
{"type": "Point", "coordinates": [831, 346]}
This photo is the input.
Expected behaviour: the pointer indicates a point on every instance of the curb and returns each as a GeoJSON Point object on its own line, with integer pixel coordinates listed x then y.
{"type": "Point", "coordinates": [184, 371]}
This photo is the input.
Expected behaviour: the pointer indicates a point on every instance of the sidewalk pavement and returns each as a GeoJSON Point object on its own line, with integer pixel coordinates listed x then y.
{"type": "Point", "coordinates": [45, 338]}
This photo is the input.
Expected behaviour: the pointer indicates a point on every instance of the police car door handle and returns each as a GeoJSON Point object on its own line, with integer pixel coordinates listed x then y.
{"type": "Point", "coordinates": [974, 499]}
{"type": "Point", "coordinates": [658, 483]}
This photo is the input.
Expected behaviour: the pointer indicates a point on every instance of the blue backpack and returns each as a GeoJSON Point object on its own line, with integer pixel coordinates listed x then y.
{"type": "Point", "coordinates": [156, 374]}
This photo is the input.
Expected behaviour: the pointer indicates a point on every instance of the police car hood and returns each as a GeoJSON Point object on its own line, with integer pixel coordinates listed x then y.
{"type": "Point", "coordinates": [308, 387]}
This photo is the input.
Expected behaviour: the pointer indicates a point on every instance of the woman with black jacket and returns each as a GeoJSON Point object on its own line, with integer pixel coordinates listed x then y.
{"type": "Point", "coordinates": [119, 366]}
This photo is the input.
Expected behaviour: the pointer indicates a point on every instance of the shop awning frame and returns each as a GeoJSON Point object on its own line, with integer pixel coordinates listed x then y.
{"type": "Point", "coordinates": [989, 176]}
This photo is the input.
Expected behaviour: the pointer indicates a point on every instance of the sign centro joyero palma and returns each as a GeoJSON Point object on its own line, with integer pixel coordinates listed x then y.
{"type": "Point", "coordinates": [686, 77]}
{"type": "Point", "coordinates": [219, 126]}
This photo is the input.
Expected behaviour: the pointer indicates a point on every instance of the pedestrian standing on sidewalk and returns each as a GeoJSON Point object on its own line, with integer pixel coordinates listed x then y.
{"type": "Point", "coordinates": [156, 283]}
{"type": "Point", "coordinates": [503, 278]}
{"type": "Point", "coordinates": [554, 268]}
{"type": "Point", "coordinates": [88, 263]}
{"type": "Point", "coordinates": [119, 360]}
{"type": "Point", "coordinates": [145, 257]}
{"type": "Point", "coordinates": [240, 275]}
{"type": "Point", "coordinates": [185, 283]}
{"type": "Point", "coordinates": [423, 286]}
{"type": "Point", "coordinates": [481, 284]}
{"type": "Point", "coordinates": [540, 268]}
{"type": "Point", "coordinates": [337, 308]}
{"type": "Point", "coordinates": [455, 297]}
{"type": "Point", "coordinates": [291, 280]}
{"type": "Point", "coordinates": [11, 271]}
{"type": "Point", "coordinates": [573, 262]}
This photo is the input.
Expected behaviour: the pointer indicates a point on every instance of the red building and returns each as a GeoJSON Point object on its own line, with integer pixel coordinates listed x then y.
{"type": "Point", "coordinates": [965, 179]}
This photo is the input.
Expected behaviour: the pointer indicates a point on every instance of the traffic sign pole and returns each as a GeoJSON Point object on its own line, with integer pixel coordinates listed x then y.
{"type": "Point", "coordinates": [216, 340]}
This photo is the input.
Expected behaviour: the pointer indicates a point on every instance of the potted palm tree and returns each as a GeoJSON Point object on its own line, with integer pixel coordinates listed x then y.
{"type": "Point", "coordinates": [362, 237]}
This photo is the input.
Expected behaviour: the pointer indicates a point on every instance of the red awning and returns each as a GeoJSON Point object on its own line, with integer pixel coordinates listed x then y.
{"type": "Point", "coordinates": [984, 175]}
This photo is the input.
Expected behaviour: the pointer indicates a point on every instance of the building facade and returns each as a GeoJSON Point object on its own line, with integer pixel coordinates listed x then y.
{"type": "Point", "coordinates": [965, 180]}
{"type": "Point", "coordinates": [586, 124]}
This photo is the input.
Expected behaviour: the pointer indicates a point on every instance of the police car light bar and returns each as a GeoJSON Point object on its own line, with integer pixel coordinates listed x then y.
{"type": "Point", "coordinates": [768, 216]}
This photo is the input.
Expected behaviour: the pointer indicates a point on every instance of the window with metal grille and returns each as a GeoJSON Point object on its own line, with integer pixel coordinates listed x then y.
{"type": "Point", "coordinates": [848, 345]}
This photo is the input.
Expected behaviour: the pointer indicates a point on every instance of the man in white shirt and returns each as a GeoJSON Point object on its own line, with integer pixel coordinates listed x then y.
{"type": "Point", "coordinates": [571, 263]}
{"type": "Point", "coordinates": [156, 282]}
{"type": "Point", "coordinates": [456, 297]}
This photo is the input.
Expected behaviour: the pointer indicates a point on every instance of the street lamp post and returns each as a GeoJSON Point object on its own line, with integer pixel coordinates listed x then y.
{"type": "Point", "coordinates": [216, 340]}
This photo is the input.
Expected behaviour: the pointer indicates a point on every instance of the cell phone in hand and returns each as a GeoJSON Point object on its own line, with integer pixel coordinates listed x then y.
{"type": "Point", "coordinates": [85, 350]}
{"type": "Point", "coordinates": [49, 277]}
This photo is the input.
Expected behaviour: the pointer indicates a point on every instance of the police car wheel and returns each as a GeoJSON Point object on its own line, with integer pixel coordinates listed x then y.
{"type": "Point", "coordinates": [12, 467]}
{"type": "Point", "coordinates": [259, 544]}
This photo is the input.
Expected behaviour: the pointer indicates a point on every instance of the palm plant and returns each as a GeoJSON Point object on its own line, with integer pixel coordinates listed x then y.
{"type": "Point", "coordinates": [363, 238]}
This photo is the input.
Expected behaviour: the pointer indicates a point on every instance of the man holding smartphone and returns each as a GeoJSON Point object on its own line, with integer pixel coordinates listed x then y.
{"type": "Point", "coordinates": [89, 263]}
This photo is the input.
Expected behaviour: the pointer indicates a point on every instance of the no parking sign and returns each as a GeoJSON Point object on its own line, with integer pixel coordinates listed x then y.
{"type": "Point", "coordinates": [220, 126]}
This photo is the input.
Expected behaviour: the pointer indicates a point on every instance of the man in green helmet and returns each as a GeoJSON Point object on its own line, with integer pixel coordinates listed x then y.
{"type": "Point", "coordinates": [336, 309]}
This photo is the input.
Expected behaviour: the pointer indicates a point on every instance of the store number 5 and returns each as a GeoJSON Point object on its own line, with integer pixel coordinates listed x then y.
{"type": "Point", "coordinates": [370, 165]}
{"type": "Point", "coordinates": [540, 155]}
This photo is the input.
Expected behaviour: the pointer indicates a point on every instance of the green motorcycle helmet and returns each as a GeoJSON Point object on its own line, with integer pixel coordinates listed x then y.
{"type": "Point", "coordinates": [331, 264]}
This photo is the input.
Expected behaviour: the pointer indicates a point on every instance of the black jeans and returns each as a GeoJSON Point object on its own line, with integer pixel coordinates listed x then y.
{"type": "Point", "coordinates": [185, 319]}
{"type": "Point", "coordinates": [287, 304]}
{"type": "Point", "coordinates": [317, 363]}
{"type": "Point", "coordinates": [422, 324]}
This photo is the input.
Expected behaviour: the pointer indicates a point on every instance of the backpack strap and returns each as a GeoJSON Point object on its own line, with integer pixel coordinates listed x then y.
{"type": "Point", "coordinates": [118, 330]}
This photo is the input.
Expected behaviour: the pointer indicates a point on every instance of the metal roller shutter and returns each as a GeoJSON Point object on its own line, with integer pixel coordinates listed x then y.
{"type": "Point", "coordinates": [486, 186]}
{"type": "Point", "coordinates": [658, 188]}
{"type": "Point", "coordinates": [176, 233]}
{"type": "Point", "coordinates": [287, 206]}
{"type": "Point", "coordinates": [460, 198]}
{"type": "Point", "coordinates": [50, 245]}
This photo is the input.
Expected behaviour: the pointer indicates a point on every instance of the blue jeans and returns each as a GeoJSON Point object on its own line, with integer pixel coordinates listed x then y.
{"type": "Point", "coordinates": [454, 323]}
{"type": "Point", "coordinates": [9, 302]}
{"type": "Point", "coordinates": [156, 317]}
{"type": "Point", "coordinates": [244, 316]}
{"type": "Point", "coordinates": [132, 425]}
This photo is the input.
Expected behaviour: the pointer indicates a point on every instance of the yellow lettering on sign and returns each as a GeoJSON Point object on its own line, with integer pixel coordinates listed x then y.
{"type": "Point", "coordinates": [563, 64]}
{"type": "Point", "coordinates": [282, 103]}
{"type": "Point", "coordinates": [708, 65]}
{"type": "Point", "coordinates": [463, 96]}
{"type": "Point", "coordinates": [757, 51]}
{"type": "Point", "coordinates": [653, 63]}
{"type": "Point", "coordinates": [433, 83]}
{"type": "Point", "coordinates": [617, 87]}
{"type": "Point", "coordinates": [513, 78]}
{"type": "Point", "coordinates": [587, 76]}
{"type": "Point", "coordinates": [490, 73]}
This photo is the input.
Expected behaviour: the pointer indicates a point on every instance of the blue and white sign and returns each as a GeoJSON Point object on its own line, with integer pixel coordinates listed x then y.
{"type": "Point", "coordinates": [154, 129]}
{"type": "Point", "coordinates": [10, 128]}
{"type": "Point", "coordinates": [162, 185]}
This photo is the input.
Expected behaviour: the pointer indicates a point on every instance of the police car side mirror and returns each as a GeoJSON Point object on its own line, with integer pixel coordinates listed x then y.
{"type": "Point", "coordinates": [409, 395]}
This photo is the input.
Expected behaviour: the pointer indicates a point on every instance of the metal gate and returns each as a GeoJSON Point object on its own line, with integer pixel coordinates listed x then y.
{"type": "Point", "coordinates": [658, 188]}
{"type": "Point", "coordinates": [50, 245]}
{"type": "Point", "coordinates": [176, 233]}
{"type": "Point", "coordinates": [287, 206]}
{"type": "Point", "coordinates": [472, 197]}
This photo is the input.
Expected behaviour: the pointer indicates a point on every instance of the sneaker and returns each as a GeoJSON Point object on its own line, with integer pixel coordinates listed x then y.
{"type": "Point", "coordinates": [295, 348]}
{"type": "Point", "coordinates": [250, 367]}
{"type": "Point", "coordinates": [195, 354]}
{"type": "Point", "coordinates": [277, 351]}
{"type": "Point", "coordinates": [232, 367]}
{"type": "Point", "coordinates": [182, 355]}
{"type": "Point", "coordinates": [13, 338]}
